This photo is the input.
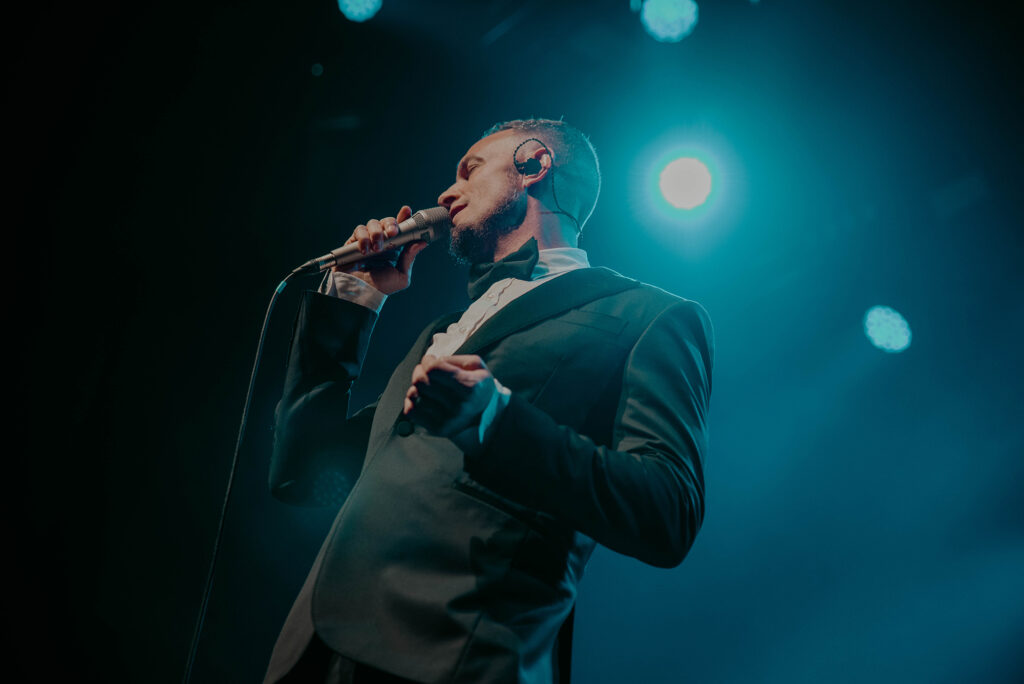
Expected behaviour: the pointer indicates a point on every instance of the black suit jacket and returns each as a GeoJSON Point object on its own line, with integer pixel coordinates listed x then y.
{"type": "Point", "coordinates": [444, 566]}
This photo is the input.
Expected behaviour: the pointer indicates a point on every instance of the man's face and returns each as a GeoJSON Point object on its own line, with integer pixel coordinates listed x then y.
{"type": "Point", "coordinates": [486, 200]}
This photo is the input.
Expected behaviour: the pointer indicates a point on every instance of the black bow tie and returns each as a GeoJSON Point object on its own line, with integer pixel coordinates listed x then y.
{"type": "Point", "coordinates": [519, 264]}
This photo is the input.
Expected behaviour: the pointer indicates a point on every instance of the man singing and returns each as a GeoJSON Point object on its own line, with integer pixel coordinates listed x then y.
{"type": "Point", "coordinates": [566, 407]}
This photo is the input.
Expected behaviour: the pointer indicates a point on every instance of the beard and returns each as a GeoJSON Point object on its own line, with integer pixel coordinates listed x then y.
{"type": "Point", "coordinates": [475, 243]}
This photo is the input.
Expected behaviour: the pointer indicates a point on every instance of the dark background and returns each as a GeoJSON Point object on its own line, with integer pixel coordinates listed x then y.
{"type": "Point", "coordinates": [170, 163]}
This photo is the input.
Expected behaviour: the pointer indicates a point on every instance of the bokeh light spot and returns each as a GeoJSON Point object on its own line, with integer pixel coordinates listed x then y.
{"type": "Point", "coordinates": [359, 10]}
{"type": "Point", "coordinates": [669, 21]}
{"type": "Point", "coordinates": [887, 329]}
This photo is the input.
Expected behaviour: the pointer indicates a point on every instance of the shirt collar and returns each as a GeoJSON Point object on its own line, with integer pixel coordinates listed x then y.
{"type": "Point", "coordinates": [557, 260]}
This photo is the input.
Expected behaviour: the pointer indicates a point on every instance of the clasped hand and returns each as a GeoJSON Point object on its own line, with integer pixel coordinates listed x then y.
{"type": "Point", "coordinates": [449, 393]}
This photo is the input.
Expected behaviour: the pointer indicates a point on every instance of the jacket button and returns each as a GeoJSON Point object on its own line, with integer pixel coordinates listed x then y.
{"type": "Point", "coordinates": [404, 428]}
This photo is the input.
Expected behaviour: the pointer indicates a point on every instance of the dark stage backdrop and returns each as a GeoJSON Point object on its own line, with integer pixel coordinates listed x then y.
{"type": "Point", "coordinates": [169, 163]}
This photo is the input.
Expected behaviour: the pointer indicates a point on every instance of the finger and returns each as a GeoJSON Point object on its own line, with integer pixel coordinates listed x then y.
{"type": "Point", "coordinates": [467, 361]}
{"type": "Point", "coordinates": [447, 366]}
{"type": "Point", "coordinates": [419, 374]}
{"type": "Point", "coordinates": [411, 398]}
{"type": "Point", "coordinates": [362, 237]}
{"type": "Point", "coordinates": [440, 367]}
{"type": "Point", "coordinates": [390, 225]}
{"type": "Point", "coordinates": [428, 363]}
{"type": "Point", "coordinates": [404, 213]}
{"type": "Point", "coordinates": [376, 233]}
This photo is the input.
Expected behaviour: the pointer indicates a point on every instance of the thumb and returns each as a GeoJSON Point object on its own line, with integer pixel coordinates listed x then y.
{"type": "Point", "coordinates": [409, 255]}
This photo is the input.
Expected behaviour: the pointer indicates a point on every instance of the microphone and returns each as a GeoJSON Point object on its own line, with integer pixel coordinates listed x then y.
{"type": "Point", "coordinates": [427, 225]}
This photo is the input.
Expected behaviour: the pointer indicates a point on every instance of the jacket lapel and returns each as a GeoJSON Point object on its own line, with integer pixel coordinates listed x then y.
{"type": "Point", "coordinates": [569, 291]}
{"type": "Point", "coordinates": [391, 401]}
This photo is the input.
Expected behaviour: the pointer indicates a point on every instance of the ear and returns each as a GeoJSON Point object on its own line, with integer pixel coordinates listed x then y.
{"type": "Point", "coordinates": [537, 164]}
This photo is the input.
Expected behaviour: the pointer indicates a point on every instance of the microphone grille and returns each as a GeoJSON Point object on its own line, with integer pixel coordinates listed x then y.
{"type": "Point", "coordinates": [435, 216]}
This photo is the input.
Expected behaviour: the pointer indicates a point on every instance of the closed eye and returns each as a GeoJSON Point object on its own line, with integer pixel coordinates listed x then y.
{"type": "Point", "coordinates": [467, 166]}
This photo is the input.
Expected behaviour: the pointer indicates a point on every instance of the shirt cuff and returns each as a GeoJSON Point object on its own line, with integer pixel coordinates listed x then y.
{"type": "Point", "coordinates": [348, 287]}
{"type": "Point", "coordinates": [489, 418]}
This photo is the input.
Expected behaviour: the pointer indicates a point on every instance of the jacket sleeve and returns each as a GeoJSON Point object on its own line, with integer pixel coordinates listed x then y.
{"type": "Point", "coordinates": [318, 450]}
{"type": "Point", "coordinates": [644, 495]}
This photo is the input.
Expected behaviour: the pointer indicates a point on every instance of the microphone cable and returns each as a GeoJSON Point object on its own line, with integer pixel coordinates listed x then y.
{"type": "Point", "coordinates": [427, 225]}
{"type": "Point", "coordinates": [205, 603]}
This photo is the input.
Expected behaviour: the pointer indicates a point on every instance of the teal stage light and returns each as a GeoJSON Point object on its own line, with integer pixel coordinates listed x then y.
{"type": "Point", "coordinates": [887, 329]}
{"type": "Point", "coordinates": [669, 21]}
{"type": "Point", "coordinates": [687, 167]}
{"type": "Point", "coordinates": [359, 10]}
{"type": "Point", "coordinates": [685, 183]}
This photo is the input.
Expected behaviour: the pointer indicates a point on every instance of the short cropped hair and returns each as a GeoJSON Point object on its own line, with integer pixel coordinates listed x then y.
{"type": "Point", "coordinates": [575, 159]}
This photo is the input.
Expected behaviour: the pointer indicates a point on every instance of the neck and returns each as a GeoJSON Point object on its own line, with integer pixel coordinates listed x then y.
{"type": "Point", "coordinates": [550, 229]}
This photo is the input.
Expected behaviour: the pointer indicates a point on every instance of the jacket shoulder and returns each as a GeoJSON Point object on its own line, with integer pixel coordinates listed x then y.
{"type": "Point", "coordinates": [643, 303]}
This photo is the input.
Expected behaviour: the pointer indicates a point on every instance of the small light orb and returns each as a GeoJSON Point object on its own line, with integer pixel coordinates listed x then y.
{"type": "Point", "coordinates": [685, 183]}
{"type": "Point", "coordinates": [669, 21]}
{"type": "Point", "coordinates": [359, 10]}
{"type": "Point", "coordinates": [887, 329]}
{"type": "Point", "coordinates": [317, 69]}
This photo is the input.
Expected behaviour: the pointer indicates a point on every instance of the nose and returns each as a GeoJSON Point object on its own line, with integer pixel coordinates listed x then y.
{"type": "Point", "coordinates": [446, 198]}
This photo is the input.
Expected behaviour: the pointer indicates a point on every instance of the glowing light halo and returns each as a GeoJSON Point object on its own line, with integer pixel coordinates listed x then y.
{"type": "Point", "coordinates": [685, 183]}
{"type": "Point", "coordinates": [690, 233]}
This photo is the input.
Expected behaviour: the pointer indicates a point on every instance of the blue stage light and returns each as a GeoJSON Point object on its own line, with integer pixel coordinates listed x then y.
{"type": "Point", "coordinates": [669, 21]}
{"type": "Point", "coordinates": [887, 329]}
{"type": "Point", "coordinates": [359, 10]}
{"type": "Point", "coordinates": [685, 183]}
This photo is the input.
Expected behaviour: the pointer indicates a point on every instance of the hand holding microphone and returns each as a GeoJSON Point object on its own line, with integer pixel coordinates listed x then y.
{"type": "Point", "coordinates": [381, 252]}
{"type": "Point", "coordinates": [388, 273]}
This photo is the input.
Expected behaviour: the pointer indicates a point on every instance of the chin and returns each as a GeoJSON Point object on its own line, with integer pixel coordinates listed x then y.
{"type": "Point", "coordinates": [472, 245]}
{"type": "Point", "coordinates": [475, 242]}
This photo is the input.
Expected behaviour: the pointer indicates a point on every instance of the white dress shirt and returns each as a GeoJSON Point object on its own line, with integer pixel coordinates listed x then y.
{"type": "Point", "coordinates": [551, 263]}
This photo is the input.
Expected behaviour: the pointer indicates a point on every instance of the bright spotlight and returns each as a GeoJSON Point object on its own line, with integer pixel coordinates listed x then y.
{"type": "Point", "coordinates": [359, 10]}
{"type": "Point", "coordinates": [669, 21]}
{"type": "Point", "coordinates": [887, 329]}
{"type": "Point", "coordinates": [685, 183]}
